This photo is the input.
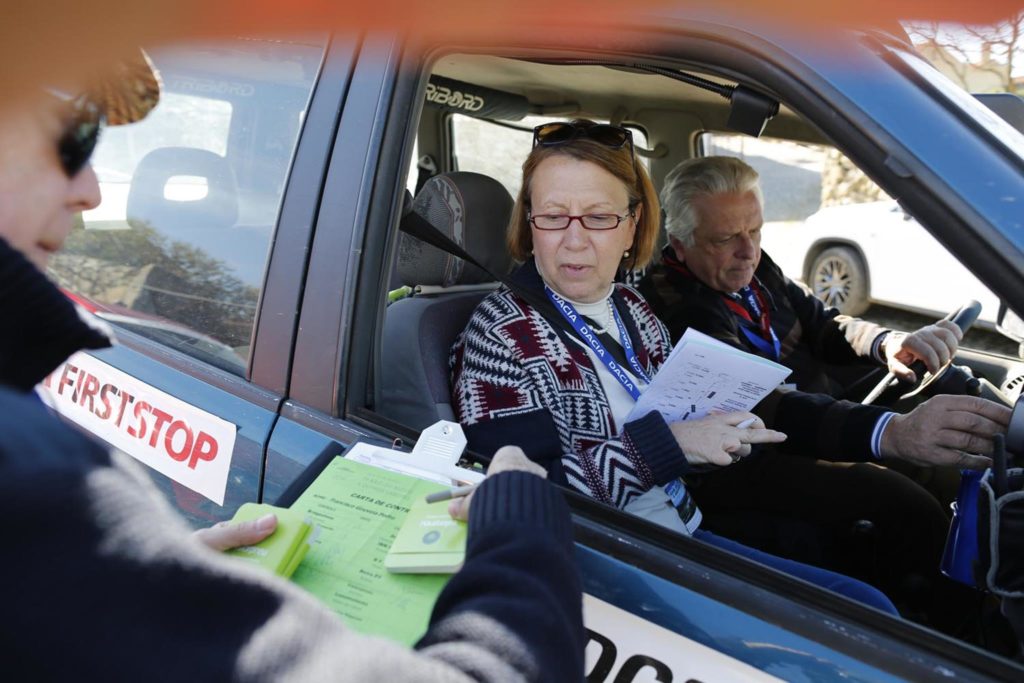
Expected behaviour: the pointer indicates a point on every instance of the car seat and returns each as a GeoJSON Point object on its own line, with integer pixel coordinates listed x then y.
{"type": "Point", "coordinates": [473, 210]}
{"type": "Point", "coordinates": [149, 204]}
{"type": "Point", "coordinates": [215, 224]}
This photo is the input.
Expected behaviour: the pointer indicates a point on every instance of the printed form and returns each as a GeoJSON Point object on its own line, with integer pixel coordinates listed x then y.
{"type": "Point", "coordinates": [703, 375]}
{"type": "Point", "coordinates": [359, 509]}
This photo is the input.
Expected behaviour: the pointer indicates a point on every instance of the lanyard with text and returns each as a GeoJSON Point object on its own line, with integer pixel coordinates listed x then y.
{"type": "Point", "coordinates": [763, 338]}
{"type": "Point", "coordinates": [675, 491]}
{"type": "Point", "coordinates": [569, 312]}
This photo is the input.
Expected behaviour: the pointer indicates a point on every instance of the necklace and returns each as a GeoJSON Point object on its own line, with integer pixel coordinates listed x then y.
{"type": "Point", "coordinates": [606, 323]}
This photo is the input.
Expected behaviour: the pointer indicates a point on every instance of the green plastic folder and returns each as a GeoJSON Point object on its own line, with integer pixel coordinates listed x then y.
{"type": "Point", "coordinates": [283, 550]}
{"type": "Point", "coordinates": [429, 542]}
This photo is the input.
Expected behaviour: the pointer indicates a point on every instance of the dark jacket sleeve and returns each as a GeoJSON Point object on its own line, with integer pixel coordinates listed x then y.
{"type": "Point", "coordinates": [515, 518]}
{"type": "Point", "coordinates": [103, 581]}
{"type": "Point", "coordinates": [819, 426]}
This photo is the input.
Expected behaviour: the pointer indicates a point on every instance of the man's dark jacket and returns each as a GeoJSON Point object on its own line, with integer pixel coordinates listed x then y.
{"type": "Point", "coordinates": [810, 334]}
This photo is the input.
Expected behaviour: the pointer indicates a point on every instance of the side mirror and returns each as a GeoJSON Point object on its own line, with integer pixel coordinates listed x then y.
{"type": "Point", "coordinates": [1010, 326]}
{"type": "Point", "coordinates": [1007, 106]}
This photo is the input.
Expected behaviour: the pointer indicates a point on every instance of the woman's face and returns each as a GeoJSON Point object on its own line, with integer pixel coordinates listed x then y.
{"type": "Point", "coordinates": [577, 263]}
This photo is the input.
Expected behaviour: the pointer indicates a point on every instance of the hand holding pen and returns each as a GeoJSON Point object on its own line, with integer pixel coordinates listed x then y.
{"type": "Point", "coordinates": [507, 458]}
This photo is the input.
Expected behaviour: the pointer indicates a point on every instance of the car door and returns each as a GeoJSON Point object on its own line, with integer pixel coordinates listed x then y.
{"type": "Point", "coordinates": [657, 605]}
{"type": "Point", "coordinates": [195, 260]}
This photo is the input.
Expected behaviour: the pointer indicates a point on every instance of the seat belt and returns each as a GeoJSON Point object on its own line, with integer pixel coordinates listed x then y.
{"type": "Point", "coordinates": [417, 226]}
{"type": "Point", "coordinates": [426, 169]}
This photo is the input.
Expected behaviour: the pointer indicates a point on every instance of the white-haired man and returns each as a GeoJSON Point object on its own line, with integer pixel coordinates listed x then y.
{"type": "Point", "coordinates": [713, 277]}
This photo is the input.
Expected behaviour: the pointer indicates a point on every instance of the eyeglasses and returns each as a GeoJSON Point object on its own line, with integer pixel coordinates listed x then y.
{"type": "Point", "coordinates": [590, 221]}
{"type": "Point", "coordinates": [81, 133]}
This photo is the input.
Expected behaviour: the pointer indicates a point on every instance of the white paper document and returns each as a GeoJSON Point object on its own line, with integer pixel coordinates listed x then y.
{"type": "Point", "coordinates": [703, 375]}
{"type": "Point", "coordinates": [434, 458]}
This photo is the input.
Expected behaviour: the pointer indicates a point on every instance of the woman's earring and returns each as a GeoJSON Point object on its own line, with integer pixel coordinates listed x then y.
{"type": "Point", "coordinates": [625, 254]}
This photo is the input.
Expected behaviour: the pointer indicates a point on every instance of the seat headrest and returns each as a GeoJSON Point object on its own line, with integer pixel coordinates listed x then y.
{"type": "Point", "coordinates": [471, 209]}
{"type": "Point", "coordinates": [150, 202]}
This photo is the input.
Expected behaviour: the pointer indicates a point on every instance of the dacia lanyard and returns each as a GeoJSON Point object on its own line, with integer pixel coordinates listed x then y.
{"type": "Point", "coordinates": [758, 337]}
{"type": "Point", "coordinates": [570, 313]}
{"type": "Point", "coordinates": [674, 489]}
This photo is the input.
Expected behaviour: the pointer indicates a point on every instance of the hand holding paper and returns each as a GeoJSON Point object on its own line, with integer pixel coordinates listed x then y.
{"type": "Point", "coordinates": [702, 375]}
{"type": "Point", "coordinates": [234, 534]}
{"type": "Point", "coordinates": [705, 391]}
{"type": "Point", "coordinates": [282, 550]}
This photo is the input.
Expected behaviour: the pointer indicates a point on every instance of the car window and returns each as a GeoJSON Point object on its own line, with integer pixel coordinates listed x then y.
{"type": "Point", "coordinates": [499, 150]}
{"type": "Point", "coordinates": [828, 224]}
{"type": "Point", "coordinates": [177, 248]}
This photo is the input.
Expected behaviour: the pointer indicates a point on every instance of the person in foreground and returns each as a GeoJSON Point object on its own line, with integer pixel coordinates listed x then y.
{"type": "Point", "coordinates": [531, 367]}
{"type": "Point", "coordinates": [713, 277]}
{"type": "Point", "coordinates": [103, 580]}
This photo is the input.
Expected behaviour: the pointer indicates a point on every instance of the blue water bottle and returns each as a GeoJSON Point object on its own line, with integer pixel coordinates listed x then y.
{"type": "Point", "coordinates": [962, 542]}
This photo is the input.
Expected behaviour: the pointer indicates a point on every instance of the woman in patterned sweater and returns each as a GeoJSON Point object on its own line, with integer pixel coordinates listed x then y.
{"type": "Point", "coordinates": [556, 365]}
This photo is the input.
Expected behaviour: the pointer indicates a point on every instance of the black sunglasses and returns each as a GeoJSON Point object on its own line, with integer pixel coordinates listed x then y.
{"type": "Point", "coordinates": [564, 132]}
{"type": "Point", "coordinates": [80, 135]}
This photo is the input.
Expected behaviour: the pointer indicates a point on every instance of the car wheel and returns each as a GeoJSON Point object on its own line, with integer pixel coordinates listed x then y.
{"type": "Point", "coordinates": [840, 279]}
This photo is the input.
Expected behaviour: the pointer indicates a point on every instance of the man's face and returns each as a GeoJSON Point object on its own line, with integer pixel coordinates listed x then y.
{"type": "Point", "coordinates": [727, 241]}
{"type": "Point", "coordinates": [38, 200]}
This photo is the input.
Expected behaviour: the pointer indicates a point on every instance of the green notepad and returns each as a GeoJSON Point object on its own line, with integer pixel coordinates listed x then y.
{"type": "Point", "coordinates": [283, 550]}
{"type": "Point", "coordinates": [358, 510]}
{"type": "Point", "coordinates": [429, 542]}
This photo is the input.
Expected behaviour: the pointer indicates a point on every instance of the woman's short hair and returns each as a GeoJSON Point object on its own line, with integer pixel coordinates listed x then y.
{"type": "Point", "coordinates": [619, 162]}
{"type": "Point", "coordinates": [702, 177]}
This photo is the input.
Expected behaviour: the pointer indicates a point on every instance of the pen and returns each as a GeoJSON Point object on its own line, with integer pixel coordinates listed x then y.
{"type": "Point", "coordinates": [746, 423]}
{"type": "Point", "coordinates": [457, 492]}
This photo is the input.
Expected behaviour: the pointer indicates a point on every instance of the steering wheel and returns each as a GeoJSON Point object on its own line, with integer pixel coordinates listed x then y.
{"type": "Point", "coordinates": [963, 317]}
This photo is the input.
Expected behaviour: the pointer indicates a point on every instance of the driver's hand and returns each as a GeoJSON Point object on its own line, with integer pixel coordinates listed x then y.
{"type": "Point", "coordinates": [947, 430]}
{"type": "Point", "coordinates": [933, 345]}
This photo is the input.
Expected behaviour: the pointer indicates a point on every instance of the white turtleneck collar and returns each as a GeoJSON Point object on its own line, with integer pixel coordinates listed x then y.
{"type": "Point", "coordinates": [599, 311]}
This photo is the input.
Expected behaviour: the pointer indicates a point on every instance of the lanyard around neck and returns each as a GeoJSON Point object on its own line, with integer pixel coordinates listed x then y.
{"type": "Point", "coordinates": [759, 332]}
{"type": "Point", "coordinates": [585, 333]}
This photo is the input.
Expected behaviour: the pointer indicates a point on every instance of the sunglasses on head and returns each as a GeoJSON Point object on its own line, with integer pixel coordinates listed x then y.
{"type": "Point", "coordinates": [82, 123]}
{"type": "Point", "coordinates": [564, 132]}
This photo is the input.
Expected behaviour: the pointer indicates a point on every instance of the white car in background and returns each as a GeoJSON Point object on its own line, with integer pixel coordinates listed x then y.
{"type": "Point", "coordinates": [854, 255]}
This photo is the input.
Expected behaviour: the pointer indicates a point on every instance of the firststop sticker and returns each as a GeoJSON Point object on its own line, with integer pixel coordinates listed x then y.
{"type": "Point", "coordinates": [189, 445]}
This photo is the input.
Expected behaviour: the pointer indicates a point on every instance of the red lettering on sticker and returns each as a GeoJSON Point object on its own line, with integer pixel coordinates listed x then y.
{"type": "Point", "coordinates": [186, 447]}
{"type": "Point", "coordinates": [162, 418]}
{"type": "Point", "coordinates": [126, 398]}
{"type": "Point", "coordinates": [65, 379]}
{"type": "Point", "coordinates": [205, 449]}
{"type": "Point", "coordinates": [106, 409]}
{"type": "Point", "coordinates": [140, 431]}
{"type": "Point", "coordinates": [88, 388]}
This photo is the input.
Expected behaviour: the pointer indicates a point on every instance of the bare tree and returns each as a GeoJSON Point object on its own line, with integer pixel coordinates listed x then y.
{"type": "Point", "coordinates": [975, 56]}
{"type": "Point", "coordinates": [978, 58]}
